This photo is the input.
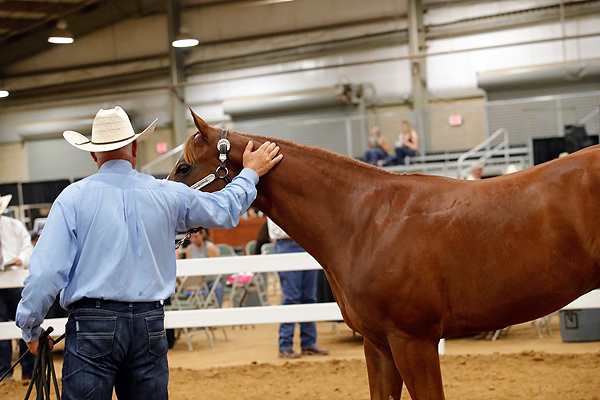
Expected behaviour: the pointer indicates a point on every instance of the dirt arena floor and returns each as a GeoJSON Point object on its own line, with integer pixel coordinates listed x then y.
{"type": "Point", "coordinates": [518, 366]}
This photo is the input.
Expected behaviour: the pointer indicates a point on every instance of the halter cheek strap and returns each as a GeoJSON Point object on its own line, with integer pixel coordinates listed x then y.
{"type": "Point", "coordinates": [222, 172]}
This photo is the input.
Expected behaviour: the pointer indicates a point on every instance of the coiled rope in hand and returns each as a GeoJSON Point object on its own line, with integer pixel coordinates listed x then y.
{"type": "Point", "coordinates": [43, 369]}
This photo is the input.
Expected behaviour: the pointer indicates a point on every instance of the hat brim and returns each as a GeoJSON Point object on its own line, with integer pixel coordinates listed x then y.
{"type": "Point", "coordinates": [4, 202]}
{"type": "Point", "coordinates": [83, 143]}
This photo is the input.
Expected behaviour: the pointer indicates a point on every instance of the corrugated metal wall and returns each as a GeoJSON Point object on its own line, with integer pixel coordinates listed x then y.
{"type": "Point", "coordinates": [56, 159]}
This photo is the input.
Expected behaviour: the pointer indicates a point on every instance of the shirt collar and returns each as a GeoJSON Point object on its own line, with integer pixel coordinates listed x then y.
{"type": "Point", "coordinates": [116, 167]}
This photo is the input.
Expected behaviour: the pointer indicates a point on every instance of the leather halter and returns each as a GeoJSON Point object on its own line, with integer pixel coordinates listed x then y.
{"type": "Point", "coordinates": [222, 172]}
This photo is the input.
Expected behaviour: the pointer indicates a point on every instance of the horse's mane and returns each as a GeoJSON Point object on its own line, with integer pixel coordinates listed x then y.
{"type": "Point", "coordinates": [191, 157]}
{"type": "Point", "coordinates": [325, 153]}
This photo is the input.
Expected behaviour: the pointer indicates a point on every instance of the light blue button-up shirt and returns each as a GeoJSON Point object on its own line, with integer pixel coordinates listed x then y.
{"type": "Point", "coordinates": [111, 236]}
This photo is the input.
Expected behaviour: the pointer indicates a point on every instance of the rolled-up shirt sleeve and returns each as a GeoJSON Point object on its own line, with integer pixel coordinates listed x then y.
{"type": "Point", "coordinates": [221, 209]}
{"type": "Point", "coordinates": [49, 269]}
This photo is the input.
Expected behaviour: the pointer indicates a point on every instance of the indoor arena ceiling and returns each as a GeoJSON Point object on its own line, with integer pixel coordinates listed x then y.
{"type": "Point", "coordinates": [26, 24]}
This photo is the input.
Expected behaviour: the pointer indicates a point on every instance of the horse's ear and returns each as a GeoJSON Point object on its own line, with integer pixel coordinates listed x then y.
{"type": "Point", "coordinates": [202, 126]}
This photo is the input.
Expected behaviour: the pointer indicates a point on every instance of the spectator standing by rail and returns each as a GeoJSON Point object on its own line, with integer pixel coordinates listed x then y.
{"type": "Point", "coordinates": [108, 243]}
{"type": "Point", "coordinates": [298, 287]}
{"type": "Point", "coordinates": [15, 251]}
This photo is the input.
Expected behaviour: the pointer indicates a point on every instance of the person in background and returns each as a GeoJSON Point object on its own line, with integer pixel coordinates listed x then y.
{"type": "Point", "coordinates": [406, 146]}
{"type": "Point", "coordinates": [15, 251]}
{"type": "Point", "coordinates": [201, 247]}
{"type": "Point", "coordinates": [377, 147]}
{"type": "Point", "coordinates": [35, 237]}
{"type": "Point", "coordinates": [262, 237]}
{"type": "Point", "coordinates": [298, 287]}
{"type": "Point", "coordinates": [252, 213]}
{"type": "Point", "coordinates": [476, 171]}
{"type": "Point", "coordinates": [108, 244]}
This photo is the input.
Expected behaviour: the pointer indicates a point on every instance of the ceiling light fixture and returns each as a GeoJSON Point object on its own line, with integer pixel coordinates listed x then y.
{"type": "Point", "coordinates": [61, 34]}
{"type": "Point", "coordinates": [185, 39]}
{"type": "Point", "coordinates": [3, 91]}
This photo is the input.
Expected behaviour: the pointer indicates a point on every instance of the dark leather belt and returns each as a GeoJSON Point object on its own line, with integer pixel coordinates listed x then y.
{"type": "Point", "coordinates": [97, 303]}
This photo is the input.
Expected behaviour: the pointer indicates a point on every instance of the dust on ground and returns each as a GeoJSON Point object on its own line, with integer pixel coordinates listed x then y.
{"type": "Point", "coordinates": [518, 366]}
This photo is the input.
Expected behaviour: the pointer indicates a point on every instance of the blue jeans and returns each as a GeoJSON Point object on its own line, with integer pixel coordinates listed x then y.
{"type": "Point", "coordinates": [218, 291]}
{"type": "Point", "coordinates": [9, 300]}
{"type": "Point", "coordinates": [400, 157]}
{"type": "Point", "coordinates": [373, 155]}
{"type": "Point", "coordinates": [298, 287]}
{"type": "Point", "coordinates": [114, 344]}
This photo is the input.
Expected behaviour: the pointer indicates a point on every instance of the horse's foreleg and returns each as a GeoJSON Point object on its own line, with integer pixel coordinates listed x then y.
{"type": "Point", "coordinates": [385, 382]}
{"type": "Point", "coordinates": [418, 362]}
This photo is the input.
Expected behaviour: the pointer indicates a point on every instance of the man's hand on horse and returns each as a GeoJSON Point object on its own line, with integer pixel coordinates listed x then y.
{"type": "Point", "coordinates": [33, 346]}
{"type": "Point", "coordinates": [262, 159]}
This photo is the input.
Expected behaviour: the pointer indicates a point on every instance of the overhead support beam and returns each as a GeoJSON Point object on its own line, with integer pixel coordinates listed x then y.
{"type": "Point", "coordinates": [416, 46]}
{"type": "Point", "coordinates": [453, 3]}
{"type": "Point", "coordinates": [178, 106]}
{"type": "Point", "coordinates": [515, 19]}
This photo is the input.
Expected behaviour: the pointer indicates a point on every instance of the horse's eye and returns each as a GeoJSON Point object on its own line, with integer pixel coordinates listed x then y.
{"type": "Point", "coordinates": [183, 169]}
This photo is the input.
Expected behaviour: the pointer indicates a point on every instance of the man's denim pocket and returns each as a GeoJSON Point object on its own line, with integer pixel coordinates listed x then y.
{"type": "Point", "coordinates": [157, 337]}
{"type": "Point", "coordinates": [95, 334]}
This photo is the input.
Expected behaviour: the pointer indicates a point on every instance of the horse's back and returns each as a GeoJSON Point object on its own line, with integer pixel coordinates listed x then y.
{"type": "Point", "coordinates": [476, 251]}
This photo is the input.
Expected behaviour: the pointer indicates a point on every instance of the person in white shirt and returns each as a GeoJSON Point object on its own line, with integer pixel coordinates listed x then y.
{"type": "Point", "coordinates": [298, 287]}
{"type": "Point", "coordinates": [15, 251]}
{"type": "Point", "coordinates": [476, 171]}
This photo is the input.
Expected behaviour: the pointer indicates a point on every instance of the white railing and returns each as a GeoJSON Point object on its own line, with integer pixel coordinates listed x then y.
{"type": "Point", "coordinates": [591, 115]}
{"type": "Point", "coordinates": [503, 145]}
{"type": "Point", "coordinates": [450, 163]}
{"type": "Point", "coordinates": [219, 316]}
{"type": "Point", "coordinates": [147, 168]}
{"type": "Point", "coordinates": [214, 317]}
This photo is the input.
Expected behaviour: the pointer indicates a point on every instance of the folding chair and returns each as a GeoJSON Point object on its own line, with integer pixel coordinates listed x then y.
{"type": "Point", "coordinates": [243, 285]}
{"type": "Point", "coordinates": [193, 294]}
{"type": "Point", "coordinates": [250, 248]}
{"type": "Point", "coordinates": [226, 250]}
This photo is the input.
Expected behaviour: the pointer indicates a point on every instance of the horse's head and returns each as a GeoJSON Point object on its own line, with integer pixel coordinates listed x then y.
{"type": "Point", "coordinates": [200, 158]}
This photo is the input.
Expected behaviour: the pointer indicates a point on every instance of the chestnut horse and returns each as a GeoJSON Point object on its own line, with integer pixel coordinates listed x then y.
{"type": "Point", "coordinates": [415, 258]}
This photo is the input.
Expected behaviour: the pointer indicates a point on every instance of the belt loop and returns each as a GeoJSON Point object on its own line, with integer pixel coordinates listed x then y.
{"type": "Point", "coordinates": [98, 302]}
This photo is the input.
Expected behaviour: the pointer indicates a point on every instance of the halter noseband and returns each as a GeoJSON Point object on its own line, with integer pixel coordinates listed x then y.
{"type": "Point", "coordinates": [222, 172]}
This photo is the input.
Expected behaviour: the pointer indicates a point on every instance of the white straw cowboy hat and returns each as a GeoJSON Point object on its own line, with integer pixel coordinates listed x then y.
{"type": "Point", "coordinates": [111, 130]}
{"type": "Point", "coordinates": [4, 200]}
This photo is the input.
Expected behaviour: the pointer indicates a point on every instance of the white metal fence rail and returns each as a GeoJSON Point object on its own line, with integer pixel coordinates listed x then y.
{"type": "Point", "coordinates": [215, 317]}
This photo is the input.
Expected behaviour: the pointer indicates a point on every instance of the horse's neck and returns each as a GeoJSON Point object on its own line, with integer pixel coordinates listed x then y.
{"type": "Point", "coordinates": [315, 197]}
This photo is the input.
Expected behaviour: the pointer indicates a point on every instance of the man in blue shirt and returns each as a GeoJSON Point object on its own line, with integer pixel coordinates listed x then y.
{"type": "Point", "coordinates": [108, 245]}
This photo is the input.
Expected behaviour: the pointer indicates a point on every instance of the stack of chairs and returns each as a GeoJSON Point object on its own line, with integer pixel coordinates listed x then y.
{"type": "Point", "coordinates": [193, 294]}
{"type": "Point", "coordinates": [241, 286]}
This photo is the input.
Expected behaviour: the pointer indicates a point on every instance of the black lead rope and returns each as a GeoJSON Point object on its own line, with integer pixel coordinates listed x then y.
{"type": "Point", "coordinates": [43, 369]}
